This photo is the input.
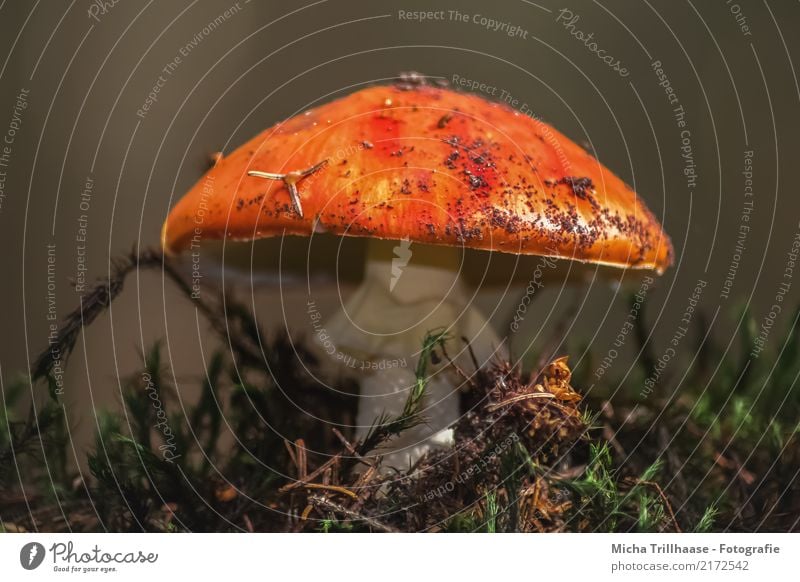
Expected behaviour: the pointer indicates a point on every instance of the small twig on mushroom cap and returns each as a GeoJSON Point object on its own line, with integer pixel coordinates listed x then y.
{"type": "Point", "coordinates": [290, 179]}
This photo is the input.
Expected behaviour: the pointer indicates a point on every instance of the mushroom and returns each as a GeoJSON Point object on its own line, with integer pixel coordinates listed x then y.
{"type": "Point", "coordinates": [424, 173]}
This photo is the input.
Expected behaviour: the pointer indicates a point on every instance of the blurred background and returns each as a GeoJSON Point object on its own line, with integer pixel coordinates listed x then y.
{"type": "Point", "coordinates": [86, 178]}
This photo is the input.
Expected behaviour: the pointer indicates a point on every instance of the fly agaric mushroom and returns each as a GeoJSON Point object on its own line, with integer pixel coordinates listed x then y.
{"type": "Point", "coordinates": [408, 164]}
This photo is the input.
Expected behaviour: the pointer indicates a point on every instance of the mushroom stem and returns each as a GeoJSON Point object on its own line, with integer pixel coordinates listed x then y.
{"type": "Point", "coordinates": [408, 290]}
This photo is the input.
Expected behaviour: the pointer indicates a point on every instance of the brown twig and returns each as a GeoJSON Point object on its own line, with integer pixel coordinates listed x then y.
{"type": "Point", "coordinates": [519, 398]}
{"type": "Point", "coordinates": [290, 450]}
{"type": "Point", "coordinates": [92, 304]}
{"type": "Point", "coordinates": [302, 460]}
{"type": "Point", "coordinates": [664, 498]}
{"type": "Point", "coordinates": [351, 448]}
{"type": "Point", "coordinates": [468, 379]}
{"type": "Point", "coordinates": [306, 512]}
{"type": "Point", "coordinates": [334, 507]}
{"type": "Point", "coordinates": [334, 488]}
{"type": "Point", "coordinates": [311, 476]}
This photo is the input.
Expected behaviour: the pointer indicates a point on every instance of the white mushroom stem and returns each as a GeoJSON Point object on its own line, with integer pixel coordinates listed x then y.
{"type": "Point", "coordinates": [407, 291]}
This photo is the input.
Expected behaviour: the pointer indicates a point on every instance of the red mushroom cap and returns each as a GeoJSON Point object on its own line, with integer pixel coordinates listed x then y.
{"type": "Point", "coordinates": [428, 164]}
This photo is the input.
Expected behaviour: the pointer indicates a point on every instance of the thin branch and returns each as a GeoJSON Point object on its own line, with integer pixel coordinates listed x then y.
{"type": "Point", "coordinates": [334, 507]}
{"type": "Point", "coordinates": [664, 498]}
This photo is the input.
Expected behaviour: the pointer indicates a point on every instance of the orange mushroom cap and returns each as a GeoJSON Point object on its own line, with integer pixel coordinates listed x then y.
{"type": "Point", "coordinates": [428, 164]}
